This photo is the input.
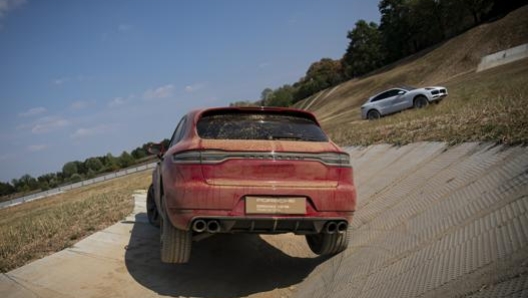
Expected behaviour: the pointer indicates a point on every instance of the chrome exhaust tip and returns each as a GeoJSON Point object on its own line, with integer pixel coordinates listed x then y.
{"type": "Point", "coordinates": [330, 228]}
{"type": "Point", "coordinates": [213, 226]}
{"type": "Point", "coordinates": [199, 226]}
{"type": "Point", "coordinates": [342, 227]}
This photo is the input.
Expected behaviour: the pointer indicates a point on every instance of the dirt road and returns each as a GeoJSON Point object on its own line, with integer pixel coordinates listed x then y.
{"type": "Point", "coordinates": [432, 221]}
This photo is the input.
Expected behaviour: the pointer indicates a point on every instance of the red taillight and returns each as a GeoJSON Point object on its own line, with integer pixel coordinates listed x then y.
{"type": "Point", "coordinates": [187, 157]}
{"type": "Point", "coordinates": [216, 156]}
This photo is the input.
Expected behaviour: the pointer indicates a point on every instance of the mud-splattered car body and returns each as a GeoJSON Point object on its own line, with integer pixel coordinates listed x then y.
{"type": "Point", "coordinates": [251, 170]}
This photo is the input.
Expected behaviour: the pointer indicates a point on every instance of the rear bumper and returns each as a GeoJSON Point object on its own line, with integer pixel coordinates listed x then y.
{"type": "Point", "coordinates": [270, 225]}
{"type": "Point", "coordinates": [185, 204]}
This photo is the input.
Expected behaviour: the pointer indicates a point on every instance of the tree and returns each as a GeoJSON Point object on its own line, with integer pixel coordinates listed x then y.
{"type": "Point", "coordinates": [6, 189]}
{"type": "Point", "coordinates": [59, 178]}
{"type": "Point", "coordinates": [47, 181]}
{"type": "Point", "coordinates": [139, 153]}
{"type": "Point", "coordinates": [478, 8]}
{"type": "Point", "coordinates": [243, 103]}
{"type": "Point", "coordinates": [426, 16]}
{"type": "Point", "coordinates": [319, 76]}
{"type": "Point", "coordinates": [501, 7]}
{"type": "Point", "coordinates": [82, 169]}
{"type": "Point", "coordinates": [326, 70]}
{"type": "Point", "coordinates": [395, 29]}
{"type": "Point", "coordinates": [94, 164]}
{"type": "Point", "coordinates": [282, 97]}
{"type": "Point", "coordinates": [365, 52]}
{"type": "Point", "coordinates": [449, 15]}
{"type": "Point", "coordinates": [110, 163]}
{"type": "Point", "coordinates": [125, 160]}
{"type": "Point", "coordinates": [76, 178]}
{"type": "Point", "coordinates": [264, 96]}
{"type": "Point", "coordinates": [91, 174]}
{"type": "Point", "coordinates": [25, 183]}
{"type": "Point", "coordinates": [69, 169]}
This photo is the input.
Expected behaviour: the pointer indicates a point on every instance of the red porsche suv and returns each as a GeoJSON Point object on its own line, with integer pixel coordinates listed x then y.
{"type": "Point", "coordinates": [251, 170]}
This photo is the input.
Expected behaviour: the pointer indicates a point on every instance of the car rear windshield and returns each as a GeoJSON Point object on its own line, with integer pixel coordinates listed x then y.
{"type": "Point", "coordinates": [259, 126]}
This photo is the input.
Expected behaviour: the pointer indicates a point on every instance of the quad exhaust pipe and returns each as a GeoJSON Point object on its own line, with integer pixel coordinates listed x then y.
{"type": "Point", "coordinates": [342, 227]}
{"type": "Point", "coordinates": [211, 226]}
{"type": "Point", "coordinates": [199, 226]}
{"type": "Point", "coordinates": [330, 228]}
{"type": "Point", "coordinates": [333, 227]}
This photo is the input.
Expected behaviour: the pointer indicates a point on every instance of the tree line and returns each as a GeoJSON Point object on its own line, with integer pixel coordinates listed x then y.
{"type": "Point", "coordinates": [76, 171]}
{"type": "Point", "coordinates": [406, 27]}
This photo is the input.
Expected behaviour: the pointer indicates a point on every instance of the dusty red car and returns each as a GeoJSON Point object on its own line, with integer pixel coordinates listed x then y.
{"type": "Point", "coordinates": [251, 170]}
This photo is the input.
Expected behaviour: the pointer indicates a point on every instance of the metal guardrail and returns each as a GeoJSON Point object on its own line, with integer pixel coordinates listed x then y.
{"type": "Point", "coordinates": [61, 189]}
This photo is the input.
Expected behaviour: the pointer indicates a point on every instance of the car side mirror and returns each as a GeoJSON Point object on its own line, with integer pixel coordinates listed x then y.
{"type": "Point", "coordinates": [401, 92]}
{"type": "Point", "coordinates": [156, 149]}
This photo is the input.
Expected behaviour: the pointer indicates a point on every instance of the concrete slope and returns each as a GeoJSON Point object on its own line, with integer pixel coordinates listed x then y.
{"type": "Point", "coordinates": [93, 267]}
{"type": "Point", "coordinates": [432, 221]}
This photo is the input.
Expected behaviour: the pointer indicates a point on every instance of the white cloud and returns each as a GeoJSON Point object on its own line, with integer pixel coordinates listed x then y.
{"type": "Point", "coordinates": [160, 92]}
{"type": "Point", "coordinates": [49, 124]}
{"type": "Point", "coordinates": [194, 87]}
{"type": "Point", "coordinates": [118, 101]}
{"type": "Point", "coordinates": [33, 111]}
{"type": "Point", "coordinates": [92, 131]}
{"type": "Point", "coordinates": [37, 147]}
{"type": "Point", "coordinates": [8, 5]}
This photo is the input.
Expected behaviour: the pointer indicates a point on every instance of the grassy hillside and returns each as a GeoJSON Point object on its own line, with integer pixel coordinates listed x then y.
{"type": "Point", "coordinates": [35, 229]}
{"type": "Point", "coordinates": [484, 106]}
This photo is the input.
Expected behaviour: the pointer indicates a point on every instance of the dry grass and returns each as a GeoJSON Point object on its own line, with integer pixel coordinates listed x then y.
{"type": "Point", "coordinates": [479, 107]}
{"type": "Point", "coordinates": [39, 228]}
{"type": "Point", "coordinates": [489, 106]}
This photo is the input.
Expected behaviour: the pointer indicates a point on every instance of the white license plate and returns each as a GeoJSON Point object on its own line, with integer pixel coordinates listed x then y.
{"type": "Point", "coordinates": [270, 205]}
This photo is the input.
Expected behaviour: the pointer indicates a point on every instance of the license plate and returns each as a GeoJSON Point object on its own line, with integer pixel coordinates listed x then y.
{"type": "Point", "coordinates": [267, 205]}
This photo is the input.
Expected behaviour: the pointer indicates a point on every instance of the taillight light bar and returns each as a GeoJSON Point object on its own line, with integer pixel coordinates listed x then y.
{"type": "Point", "coordinates": [216, 157]}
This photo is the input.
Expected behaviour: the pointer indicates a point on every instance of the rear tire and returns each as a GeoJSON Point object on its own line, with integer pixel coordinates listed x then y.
{"type": "Point", "coordinates": [175, 243]}
{"type": "Point", "coordinates": [152, 209]}
{"type": "Point", "coordinates": [373, 115]}
{"type": "Point", "coordinates": [328, 244]}
{"type": "Point", "coordinates": [420, 102]}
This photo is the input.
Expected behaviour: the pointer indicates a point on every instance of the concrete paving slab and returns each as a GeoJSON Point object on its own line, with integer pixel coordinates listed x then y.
{"type": "Point", "coordinates": [91, 268]}
{"type": "Point", "coordinates": [449, 225]}
{"type": "Point", "coordinates": [433, 221]}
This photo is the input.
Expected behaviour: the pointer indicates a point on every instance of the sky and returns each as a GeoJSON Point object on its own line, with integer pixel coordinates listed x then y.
{"type": "Point", "coordinates": [86, 78]}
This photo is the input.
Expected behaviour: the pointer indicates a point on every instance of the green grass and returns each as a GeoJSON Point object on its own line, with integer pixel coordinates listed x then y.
{"type": "Point", "coordinates": [39, 228]}
{"type": "Point", "coordinates": [489, 106]}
